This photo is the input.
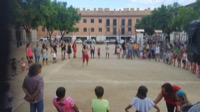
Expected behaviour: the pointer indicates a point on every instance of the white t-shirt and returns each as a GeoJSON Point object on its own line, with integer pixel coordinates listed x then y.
{"type": "Point", "coordinates": [107, 49]}
{"type": "Point", "coordinates": [157, 50]}
{"type": "Point", "coordinates": [143, 105]}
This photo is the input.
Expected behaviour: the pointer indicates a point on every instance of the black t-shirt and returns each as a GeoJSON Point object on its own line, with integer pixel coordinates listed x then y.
{"type": "Point", "coordinates": [55, 48]}
{"type": "Point", "coordinates": [63, 47]}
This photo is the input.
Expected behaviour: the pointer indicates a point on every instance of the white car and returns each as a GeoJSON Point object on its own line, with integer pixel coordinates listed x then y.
{"type": "Point", "coordinates": [78, 41]}
{"type": "Point", "coordinates": [43, 40]}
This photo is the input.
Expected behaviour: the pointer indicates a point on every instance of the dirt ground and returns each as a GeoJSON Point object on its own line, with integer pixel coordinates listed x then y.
{"type": "Point", "coordinates": [119, 77]}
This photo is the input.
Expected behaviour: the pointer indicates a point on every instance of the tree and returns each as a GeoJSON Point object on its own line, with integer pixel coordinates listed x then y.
{"type": "Point", "coordinates": [30, 14]}
{"type": "Point", "coordinates": [67, 18]}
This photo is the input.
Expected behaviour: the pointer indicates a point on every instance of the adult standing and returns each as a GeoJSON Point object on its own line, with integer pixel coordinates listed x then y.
{"type": "Point", "coordinates": [157, 52]}
{"type": "Point", "coordinates": [37, 53]}
{"type": "Point", "coordinates": [29, 53]}
{"type": "Point", "coordinates": [168, 91]}
{"type": "Point", "coordinates": [85, 54]}
{"type": "Point", "coordinates": [33, 87]}
{"type": "Point", "coordinates": [92, 49]}
{"type": "Point", "coordinates": [54, 47]}
{"type": "Point", "coordinates": [69, 49]}
{"type": "Point", "coordinates": [124, 49]}
{"type": "Point", "coordinates": [63, 49]}
{"type": "Point", "coordinates": [74, 46]}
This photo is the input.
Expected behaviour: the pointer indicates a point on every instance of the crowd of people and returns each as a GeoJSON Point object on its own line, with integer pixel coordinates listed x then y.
{"type": "Point", "coordinates": [175, 98]}
{"type": "Point", "coordinates": [175, 54]}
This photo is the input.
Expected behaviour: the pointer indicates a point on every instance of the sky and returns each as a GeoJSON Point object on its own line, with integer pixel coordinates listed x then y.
{"type": "Point", "coordinates": [120, 4]}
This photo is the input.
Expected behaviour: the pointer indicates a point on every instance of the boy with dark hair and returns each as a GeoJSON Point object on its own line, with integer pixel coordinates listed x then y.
{"type": "Point", "coordinates": [99, 104]}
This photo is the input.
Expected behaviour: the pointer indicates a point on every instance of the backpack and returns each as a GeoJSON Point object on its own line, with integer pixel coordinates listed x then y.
{"type": "Point", "coordinates": [193, 44]}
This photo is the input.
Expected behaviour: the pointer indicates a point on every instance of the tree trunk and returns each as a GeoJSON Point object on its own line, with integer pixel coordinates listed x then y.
{"type": "Point", "coordinates": [50, 32]}
{"type": "Point", "coordinates": [28, 35]}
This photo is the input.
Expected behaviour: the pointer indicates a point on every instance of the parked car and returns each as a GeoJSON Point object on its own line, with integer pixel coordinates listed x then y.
{"type": "Point", "coordinates": [78, 41]}
{"type": "Point", "coordinates": [120, 41]}
{"type": "Point", "coordinates": [132, 40]}
{"type": "Point", "coordinates": [89, 41]}
{"type": "Point", "coordinates": [106, 41]}
{"type": "Point", "coordinates": [44, 40]}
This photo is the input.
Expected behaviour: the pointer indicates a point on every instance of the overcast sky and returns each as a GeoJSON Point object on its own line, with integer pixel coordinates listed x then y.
{"type": "Point", "coordinates": [120, 4]}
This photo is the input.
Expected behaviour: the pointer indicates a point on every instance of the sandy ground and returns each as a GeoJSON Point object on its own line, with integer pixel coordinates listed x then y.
{"type": "Point", "coordinates": [119, 77]}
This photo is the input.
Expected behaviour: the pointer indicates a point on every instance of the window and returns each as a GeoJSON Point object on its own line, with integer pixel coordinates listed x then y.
{"type": "Point", "coordinates": [92, 20]}
{"type": "Point", "coordinates": [123, 31]}
{"type": "Point", "coordinates": [100, 20]}
{"type": "Point", "coordinates": [84, 29]}
{"type": "Point", "coordinates": [129, 22]}
{"type": "Point", "coordinates": [114, 22]}
{"type": "Point", "coordinates": [129, 29]}
{"type": "Point", "coordinates": [137, 20]}
{"type": "Point", "coordinates": [84, 20]}
{"type": "Point", "coordinates": [108, 29]}
{"type": "Point", "coordinates": [114, 31]}
{"type": "Point", "coordinates": [100, 29]}
{"type": "Point", "coordinates": [123, 22]}
{"type": "Point", "coordinates": [92, 29]}
{"type": "Point", "coordinates": [107, 22]}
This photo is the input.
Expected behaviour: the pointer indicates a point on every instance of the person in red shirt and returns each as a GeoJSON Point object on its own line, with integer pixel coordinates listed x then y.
{"type": "Point", "coordinates": [74, 48]}
{"type": "Point", "coordinates": [168, 92]}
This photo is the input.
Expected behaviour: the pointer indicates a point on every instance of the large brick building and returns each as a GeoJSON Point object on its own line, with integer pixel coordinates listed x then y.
{"type": "Point", "coordinates": [101, 24]}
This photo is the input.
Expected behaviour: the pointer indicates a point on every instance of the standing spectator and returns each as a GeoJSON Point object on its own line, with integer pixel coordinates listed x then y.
{"type": "Point", "coordinates": [99, 51]}
{"type": "Point", "coordinates": [37, 53]}
{"type": "Point", "coordinates": [74, 46]}
{"type": "Point", "coordinates": [54, 56]}
{"type": "Point", "coordinates": [63, 50]}
{"type": "Point", "coordinates": [33, 87]}
{"type": "Point", "coordinates": [153, 48]}
{"type": "Point", "coordinates": [54, 46]}
{"type": "Point", "coordinates": [118, 49]}
{"type": "Point", "coordinates": [168, 92]}
{"type": "Point", "coordinates": [69, 49]}
{"type": "Point", "coordinates": [99, 104]}
{"type": "Point", "coordinates": [107, 51]}
{"type": "Point", "coordinates": [130, 51]}
{"type": "Point", "coordinates": [141, 102]}
{"type": "Point", "coordinates": [63, 103]}
{"type": "Point", "coordinates": [85, 55]}
{"type": "Point", "coordinates": [44, 52]}
{"type": "Point", "coordinates": [157, 52]}
{"type": "Point", "coordinates": [124, 49]}
{"type": "Point", "coordinates": [92, 50]}
{"type": "Point", "coordinates": [29, 53]}
{"type": "Point", "coordinates": [23, 64]}
{"type": "Point", "coordinates": [14, 67]}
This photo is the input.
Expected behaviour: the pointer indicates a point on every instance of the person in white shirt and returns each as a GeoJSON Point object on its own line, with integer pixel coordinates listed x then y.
{"type": "Point", "coordinates": [141, 102]}
{"type": "Point", "coordinates": [107, 51]}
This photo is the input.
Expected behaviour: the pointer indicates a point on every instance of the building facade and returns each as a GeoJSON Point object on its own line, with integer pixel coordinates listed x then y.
{"type": "Point", "coordinates": [100, 24]}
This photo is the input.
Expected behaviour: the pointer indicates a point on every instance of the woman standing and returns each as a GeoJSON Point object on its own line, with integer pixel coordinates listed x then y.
{"type": "Point", "coordinates": [33, 87]}
{"type": "Point", "coordinates": [69, 49]}
{"type": "Point", "coordinates": [44, 52]}
{"type": "Point", "coordinates": [63, 50]}
{"type": "Point", "coordinates": [85, 55]}
{"type": "Point", "coordinates": [75, 48]}
{"type": "Point", "coordinates": [29, 53]}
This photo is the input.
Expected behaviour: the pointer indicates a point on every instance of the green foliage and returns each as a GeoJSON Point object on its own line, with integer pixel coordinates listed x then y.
{"type": "Point", "coordinates": [170, 18]}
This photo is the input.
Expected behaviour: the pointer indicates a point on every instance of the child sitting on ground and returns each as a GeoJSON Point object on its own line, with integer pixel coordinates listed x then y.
{"type": "Point", "coordinates": [63, 103]}
{"type": "Point", "coordinates": [141, 102]}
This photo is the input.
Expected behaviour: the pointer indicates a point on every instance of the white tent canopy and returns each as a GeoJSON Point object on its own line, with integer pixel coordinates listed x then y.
{"type": "Point", "coordinates": [158, 31]}
{"type": "Point", "coordinates": [139, 30]}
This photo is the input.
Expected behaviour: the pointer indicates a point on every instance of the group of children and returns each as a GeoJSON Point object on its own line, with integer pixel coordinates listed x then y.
{"type": "Point", "coordinates": [141, 102]}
